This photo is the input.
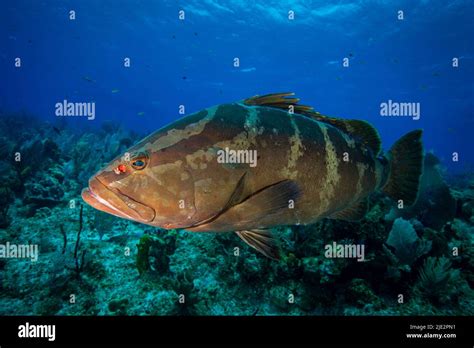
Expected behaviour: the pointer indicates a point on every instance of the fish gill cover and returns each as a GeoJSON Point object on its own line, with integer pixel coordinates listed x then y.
{"type": "Point", "coordinates": [335, 214]}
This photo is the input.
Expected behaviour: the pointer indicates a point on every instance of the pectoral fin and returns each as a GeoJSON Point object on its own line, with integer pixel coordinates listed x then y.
{"type": "Point", "coordinates": [271, 200]}
{"type": "Point", "coordinates": [262, 241]}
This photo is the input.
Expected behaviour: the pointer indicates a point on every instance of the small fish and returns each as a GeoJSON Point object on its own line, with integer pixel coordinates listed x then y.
{"type": "Point", "coordinates": [57, 130]}
{"type": "Point", "coordinates": [305, 167]}
{"type": "Point", "coordinates": [141, 113]}
{"type": "Point", "coordinates": [88, 79]}
{"type": "Point", "coordinates": [115, 90]}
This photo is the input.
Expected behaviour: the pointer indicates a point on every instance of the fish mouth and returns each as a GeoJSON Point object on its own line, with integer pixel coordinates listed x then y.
{"type": "Point", "coordinates": [113, 201]}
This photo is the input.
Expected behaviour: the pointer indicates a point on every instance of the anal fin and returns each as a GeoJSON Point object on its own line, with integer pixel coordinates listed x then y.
{"type": "Point", "coordinates": [354, 212]}
{"type": "Point", "coordinates": [262, 241]}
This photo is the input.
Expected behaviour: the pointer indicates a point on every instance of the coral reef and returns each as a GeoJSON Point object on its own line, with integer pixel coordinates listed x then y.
{"type": "Point", "coordinates": [6, 197]}
{"type": "Point", "coordinates": [91, 263]}
{"type": "Point", "coordinates": [437, 281]}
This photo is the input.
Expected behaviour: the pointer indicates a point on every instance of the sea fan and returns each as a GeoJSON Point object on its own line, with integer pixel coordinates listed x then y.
{"type": "Point", "coordinates": [406, 244]}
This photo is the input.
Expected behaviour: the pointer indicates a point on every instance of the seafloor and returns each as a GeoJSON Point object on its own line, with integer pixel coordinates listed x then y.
{"type": "Point", "coordinates": [91, 263]}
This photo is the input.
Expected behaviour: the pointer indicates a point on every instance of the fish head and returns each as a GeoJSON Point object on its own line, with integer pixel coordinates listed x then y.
{"type": "Point", "coordinates": [115, 188]}
{"type": "Point", "coordinates": [137, 186]}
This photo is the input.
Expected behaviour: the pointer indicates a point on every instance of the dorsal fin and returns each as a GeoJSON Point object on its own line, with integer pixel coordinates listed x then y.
{"type": "Point", "coordinates": [279, 101]}
{"type": "Point", "coordinates": [361, 130]}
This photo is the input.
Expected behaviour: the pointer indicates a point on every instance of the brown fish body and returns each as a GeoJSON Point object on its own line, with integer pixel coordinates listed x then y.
{"type": "Point", "coordinates": [304, 169]}
{"type": "Point", "coordinates": [289, 147]}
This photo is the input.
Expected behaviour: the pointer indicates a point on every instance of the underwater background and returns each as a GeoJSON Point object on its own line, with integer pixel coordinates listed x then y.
{"type": "Point", "coordinates": [139, 61]}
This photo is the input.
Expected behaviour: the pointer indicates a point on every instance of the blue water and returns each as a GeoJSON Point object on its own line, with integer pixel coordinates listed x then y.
{"type": "Point", "coordinates": [190, 62]}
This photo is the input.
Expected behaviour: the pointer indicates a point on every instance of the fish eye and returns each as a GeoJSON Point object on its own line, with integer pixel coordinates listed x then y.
{"type": "Point", "coordinates": [139, 162]}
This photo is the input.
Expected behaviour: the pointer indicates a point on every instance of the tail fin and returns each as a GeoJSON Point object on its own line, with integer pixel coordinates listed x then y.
{"type": "Point", "coordinates": [406, 164]}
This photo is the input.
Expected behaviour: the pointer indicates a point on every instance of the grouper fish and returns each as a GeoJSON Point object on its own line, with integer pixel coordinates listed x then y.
{"type": "Point", "coordinates": [248, 166]}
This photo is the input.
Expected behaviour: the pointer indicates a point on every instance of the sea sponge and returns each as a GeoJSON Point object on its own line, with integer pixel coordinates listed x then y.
{"type": "Point", "coordinates": [143, 246]}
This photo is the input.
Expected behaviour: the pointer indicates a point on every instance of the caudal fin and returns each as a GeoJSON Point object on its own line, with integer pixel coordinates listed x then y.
{"type": "Point", "coordinates": [406, 166]}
